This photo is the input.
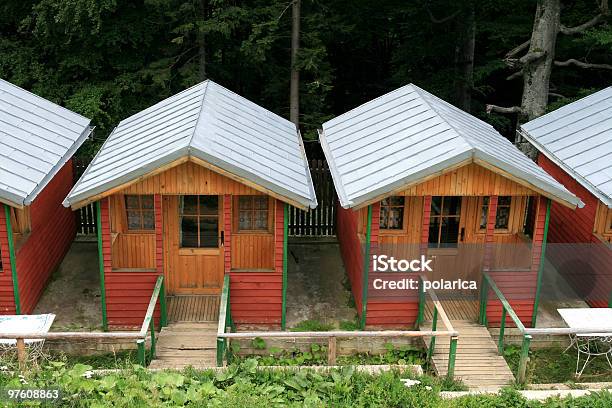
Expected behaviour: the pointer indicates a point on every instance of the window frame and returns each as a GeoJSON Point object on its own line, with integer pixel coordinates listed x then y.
{"type": "Point", "coordinates": [236, 216]}
{"type": "Point", "coordinates": [608, 221]}
{"type": "Point", "coordinates": [140, 210]}
{"type": "Point", "coordinates": [458, 216]}
{"type": "Point", "coordinates": [392, 231]}
{"type": "Point", "coordinates": [183, 250]}
{"type": "Point", "coordinates": [481, 204]}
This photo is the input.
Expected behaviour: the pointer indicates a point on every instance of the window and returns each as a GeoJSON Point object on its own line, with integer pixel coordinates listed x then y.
{"type": "Point", "coordinates": [253, 213]}
{"type": "Point", "coordinates": [502, 217]}
{"type": "Point", "coordinates": [199, 221]}
{"type": "Point", "coordinates": [140, 212]}
{"type": "Point", "coordinates": [444, 221]}
{"type": "Point", "coordinates": [392, 213]}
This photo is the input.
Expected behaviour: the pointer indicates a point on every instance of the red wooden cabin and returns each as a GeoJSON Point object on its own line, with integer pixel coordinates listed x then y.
{"type": "Point", "coordinates": [416, 177]}
{"type": "Point", "coordinates": [575, 146]}
{"type": "Point", "coordinates": [37, 141]}
{"type": "Point", "coordinates": [196, 188]}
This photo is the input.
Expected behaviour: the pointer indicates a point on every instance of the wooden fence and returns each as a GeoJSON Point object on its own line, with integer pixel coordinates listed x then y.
{"type": "Point", "coordinates": [85, 216]}
{"type": "Point", "coordinates": [321, 221]}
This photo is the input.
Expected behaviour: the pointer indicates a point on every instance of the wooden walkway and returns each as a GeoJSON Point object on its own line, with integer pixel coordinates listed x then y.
{"type": "Point", "coordinates": [184, 344]}
{"type": "Point", "coordinates": [193, 308]}
{"type": "Point", "coordinates": [456, 309]}
{"type": "Point", "coordinates": [477, 364]}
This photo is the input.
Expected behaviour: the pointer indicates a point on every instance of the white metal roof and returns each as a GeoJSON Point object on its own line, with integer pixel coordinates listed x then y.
{"type": "Point", "coordinates": [211, 123]}
{"type": "Point", "coordinates": [578, 138]}
{"type": "Point", "coordinates": [409, 134]}
{"type": "Point", "coordinates": [37, 137]}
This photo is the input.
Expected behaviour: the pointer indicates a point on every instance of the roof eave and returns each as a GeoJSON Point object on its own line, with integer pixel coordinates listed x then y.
{"type": "Point", "coordinates": [11, 199]}
{"type": "Point", "coordinates": [333, 170]}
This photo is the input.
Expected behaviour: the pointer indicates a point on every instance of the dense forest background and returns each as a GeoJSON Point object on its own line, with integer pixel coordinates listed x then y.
{"type": "Point", "coordinates": [108, 59]}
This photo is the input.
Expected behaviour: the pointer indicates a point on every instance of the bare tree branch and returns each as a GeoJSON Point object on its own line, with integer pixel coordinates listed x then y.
{"type": "Point", "coordinates": [581, 64]}
{"type": "Point", "coordinates": [517, 74]}
{"type": "Point", "coordinates": [520, 48]}
{"type": "Point", "coordinates": [525, 59]}
{"type": "Point", "coordinates": [440, 20]}
{"type": "Point", "coordinates": [604, 12]}
{"type": "Point", "coordinates": [501, 109]}
{"type": "Point", "coordinates": [556, 95]}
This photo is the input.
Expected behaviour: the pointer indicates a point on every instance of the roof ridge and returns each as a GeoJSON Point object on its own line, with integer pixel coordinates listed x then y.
{"type": "Point", "coordinates": [465, 138]}
{"type": "Point", "coordinates": [195, 127]}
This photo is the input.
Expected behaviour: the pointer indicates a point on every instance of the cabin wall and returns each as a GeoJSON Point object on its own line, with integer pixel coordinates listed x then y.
{"type": "Point", "coordinates": [351, 249]}
{"type": "Point", "coordinates": [52, 231]}
{"type": "Point", "coordinates": [7, 297]}
{"type": "Point", "coordinates": [582, 226]}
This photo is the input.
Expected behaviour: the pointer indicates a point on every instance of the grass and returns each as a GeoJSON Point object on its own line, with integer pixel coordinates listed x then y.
{"type": "Point", "coordinates": [552, 365]}
{"type": "Point", "coordinates": [312, 325]}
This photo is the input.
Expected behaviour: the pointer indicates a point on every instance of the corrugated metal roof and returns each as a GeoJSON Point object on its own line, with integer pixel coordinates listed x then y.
{"type": "Point", "coordinates": [37, 137]}
{"type": "Point", "coordinates": [578, 138]}
{"type": "Point", "coordinates": [213, 124]}
{"type": "Point", "coordinates": [409, 134]}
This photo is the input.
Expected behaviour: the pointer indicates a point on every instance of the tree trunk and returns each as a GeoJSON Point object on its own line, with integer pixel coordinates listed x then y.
{"type": "Point", "coordinates": [202, 44]}
{"type": "Point", "coordinates": [464, 60]}
{"type": "Point", "coordinates": [294, 87]}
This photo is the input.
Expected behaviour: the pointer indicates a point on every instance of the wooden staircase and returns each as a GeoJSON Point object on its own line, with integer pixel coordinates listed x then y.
{"type": "Point", "coordinates": [184, 344]}
{"type": "Point", "coordinates": [478, 363]}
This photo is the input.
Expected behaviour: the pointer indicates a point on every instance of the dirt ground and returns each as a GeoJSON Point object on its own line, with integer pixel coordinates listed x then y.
{"type": "Point", "coordinates": [73, 292]}
{"type": "Point", "coordinates": [315, 289]}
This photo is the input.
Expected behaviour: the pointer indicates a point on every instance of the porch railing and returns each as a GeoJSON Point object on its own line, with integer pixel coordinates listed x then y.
{"type": "Point", "coordinates": [438, 311]}
{"type": "Point", "coordinates": [507, 310]}
{"type": "Point", "coordinates": [139, 336]}
{"type": "Point", "coordinates": [226, 323]}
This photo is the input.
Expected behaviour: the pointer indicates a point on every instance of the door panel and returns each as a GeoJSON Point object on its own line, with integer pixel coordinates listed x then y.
{"type": "Point", "coordinates": [190, 270]}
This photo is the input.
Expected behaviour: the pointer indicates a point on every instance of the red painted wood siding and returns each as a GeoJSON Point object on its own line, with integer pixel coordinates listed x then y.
{"type": "Point", "coordinates": [256, 297]}
{"type": "Point", "coordinates": [7, 298]}
{"type": "Point", "coordinates": [351, 251]}
{"type": "Point", "coordinates": [127, 293]}
{"type": "Point", "coordinates": [52, 231]}
{"type": "Point", "coordinates": [576, 226]}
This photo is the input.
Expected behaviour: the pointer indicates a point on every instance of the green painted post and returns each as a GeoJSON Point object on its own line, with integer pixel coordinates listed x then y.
{"type": "Point", "coordinates": [536, 302]}
{"type": "Point", "coordinates": [502, 328]}
{"type": "Point", "coordinates": [484, 299]}
{"type": "Point", "coordinates": [421, 316]}
{"type": "Point", "coordinates": [101, 262]}
{"type": "Point", "coordinates": [163, 308]}
{"type": "Point", "coordinates": [153, 340]}
{"type": "Point", "coordinates": [432, 342]}
{"type": "Point", "coordinates": [13, 259]}
{"type": "Point", "coordinates": [285, 239]}
{"type": "Point", "coordinates": [522, 368]}
{"type": "Point", "coordinates": [452, 354]}
{"type": "Point", "coordinates": [366, 269]}
{"type": "Point", "coordinates": [220, 351]}
{"type": "Point", "coordinates": [141, 352]}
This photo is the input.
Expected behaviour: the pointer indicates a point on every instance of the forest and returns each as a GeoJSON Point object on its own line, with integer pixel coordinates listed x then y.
{"type": "Point", "coordinates": [505, 61]}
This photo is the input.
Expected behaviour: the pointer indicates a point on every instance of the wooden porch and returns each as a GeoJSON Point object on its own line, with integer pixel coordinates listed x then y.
{"type": "Point", "coordinates": [456, 309]}
{"type": "Point", "coordinates": [200, 308]}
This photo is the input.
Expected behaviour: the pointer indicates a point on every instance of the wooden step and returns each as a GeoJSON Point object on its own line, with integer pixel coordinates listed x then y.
{"type": "Point", "coordinates": [184, 344]}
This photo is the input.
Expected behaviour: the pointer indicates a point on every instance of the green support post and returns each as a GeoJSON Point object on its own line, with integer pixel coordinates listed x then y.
{"type": "Point", "coordinates": [484, 299]}
{"type": "Point", "coordinates": [536, 301]}
{"type": "Point", "coordinates": [163, 308]}
{"type": "Point", "coordinates": [366, 269]}
{"type": "Point", "coordinates": [434, 327]}
{"type": "Point", "coordinates": [452, 354]}
{"type": "Point", "coordinates": [153, 340]}
{"type": "Point", "coordinates": [13, 259]}
{"type": "Point", "coordinates": [141, 352]}
{"type": "Point", "coordinates": [502, 328]}
{"type": "Point", "coordinates": [220, 351]}
{"type": "Point", "coordinates": [285, 239]}
{"type": "Point", "coordinates": [101, 262]}
{"type": "Point", "coordinates": [421, 316]}
{"type": "Point", "coordinates": [522, 368]}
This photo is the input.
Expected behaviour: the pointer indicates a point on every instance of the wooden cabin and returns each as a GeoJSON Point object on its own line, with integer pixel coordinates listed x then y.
{"type": "Point", "coordinates": [196, 188]}
{"type": "Point", "coordinates": [575, 146]}
{"type": "Point", "coordinates": [37, 141]}
{"type": "Point", "coordinates": [417, 176]}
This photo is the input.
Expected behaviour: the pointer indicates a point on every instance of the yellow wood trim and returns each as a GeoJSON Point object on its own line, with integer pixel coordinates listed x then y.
{"type": "Point", "coordinates": [198, 251]}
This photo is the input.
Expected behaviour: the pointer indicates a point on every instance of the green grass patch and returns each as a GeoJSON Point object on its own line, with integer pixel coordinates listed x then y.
{"type": "Point", "coordinates": [552, 365]}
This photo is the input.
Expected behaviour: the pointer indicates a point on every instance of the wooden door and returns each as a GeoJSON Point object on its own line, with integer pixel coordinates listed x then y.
{"type": "Point", "coordinates": [193, 267]}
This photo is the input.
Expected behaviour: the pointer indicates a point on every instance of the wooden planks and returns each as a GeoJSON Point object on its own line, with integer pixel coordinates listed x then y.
{"type": "Point", "coordinates": [456, 309]}
{"type": "Point", "coordinates": [184, 344]}
{"type": "Point", "coordinates": [477, 363]}
{"type": "Point", "coordinates": [193, 308]}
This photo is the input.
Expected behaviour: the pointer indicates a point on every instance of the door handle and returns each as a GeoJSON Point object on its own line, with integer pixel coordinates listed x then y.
{"type": "Point", "coordinates": [222, 238]}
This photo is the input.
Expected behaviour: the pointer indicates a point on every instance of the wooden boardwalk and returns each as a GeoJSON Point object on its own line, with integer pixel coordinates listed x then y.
{"type": "Point", "coordinates": [477, 364]}
{"type": "Point", "coordinates": [190, 339]}
{"type": "Point", "coordinates": [193, 308]}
